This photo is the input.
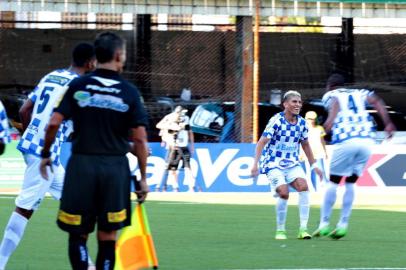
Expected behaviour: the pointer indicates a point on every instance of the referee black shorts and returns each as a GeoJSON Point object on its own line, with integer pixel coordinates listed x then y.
{"type": "Point", "coordinates": [96, 189]}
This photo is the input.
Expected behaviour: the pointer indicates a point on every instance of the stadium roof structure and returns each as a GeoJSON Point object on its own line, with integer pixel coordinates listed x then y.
{"type": "Point", "coordinates": [306, 8]}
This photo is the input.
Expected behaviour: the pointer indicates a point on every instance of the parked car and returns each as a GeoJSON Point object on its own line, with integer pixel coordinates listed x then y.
{"type": "Point", "coordinates": [215, 121]}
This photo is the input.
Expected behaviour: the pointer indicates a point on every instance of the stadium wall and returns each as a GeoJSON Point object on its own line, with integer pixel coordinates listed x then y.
{"type": "Point", "coordinates": [206, 61]}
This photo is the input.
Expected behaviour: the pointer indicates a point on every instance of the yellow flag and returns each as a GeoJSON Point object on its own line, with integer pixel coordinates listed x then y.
{"type": "Point", "coordinates": [135, 248]}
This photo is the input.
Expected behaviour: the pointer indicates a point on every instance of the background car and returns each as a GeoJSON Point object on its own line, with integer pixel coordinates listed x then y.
{"type": "Point", "coordinates": [215, 121]}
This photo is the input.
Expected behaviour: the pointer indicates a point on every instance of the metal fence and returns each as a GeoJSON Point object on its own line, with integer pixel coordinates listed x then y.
{"type": "Point", "coordinates": [180, 55]}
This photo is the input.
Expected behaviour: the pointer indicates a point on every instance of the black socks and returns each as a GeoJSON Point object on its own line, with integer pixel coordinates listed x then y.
{"type": "Point", "coordinates": [78, 254]}
{"type": "Point", "coordinates": [106, 256]}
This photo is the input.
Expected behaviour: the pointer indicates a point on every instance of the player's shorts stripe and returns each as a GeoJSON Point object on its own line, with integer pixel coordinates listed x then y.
{"type": "Point", "coordinates": [115, 217]}
{"type": "Point", "coordinates": [69, 219]}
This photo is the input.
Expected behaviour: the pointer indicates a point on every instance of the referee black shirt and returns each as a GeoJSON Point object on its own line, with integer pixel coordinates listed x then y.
{"type": "Point", "coordinates": [103, 107]}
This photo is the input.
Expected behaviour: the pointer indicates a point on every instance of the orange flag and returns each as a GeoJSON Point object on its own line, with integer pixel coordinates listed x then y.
{"type": "Point", "coordinates": [135, 248]}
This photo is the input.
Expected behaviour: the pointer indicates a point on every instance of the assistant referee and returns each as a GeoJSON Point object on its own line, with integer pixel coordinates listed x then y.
{"type": "Point", "coordinates": [106, 111]}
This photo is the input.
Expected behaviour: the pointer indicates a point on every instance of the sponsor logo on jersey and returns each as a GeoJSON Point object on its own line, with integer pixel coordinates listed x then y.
{"type": "Point", "coordinates": [86, 99]}
{"type": "Point", "coordinates": [103, 89]}
{"type": "Point", "coordinates": [286, 147]}
{"type": "Point", "coordinates": [57, 80]}
{"type": "Point", "coordinates": [104, 81]}
{"type": "Point", "coordinates": [285, 163]}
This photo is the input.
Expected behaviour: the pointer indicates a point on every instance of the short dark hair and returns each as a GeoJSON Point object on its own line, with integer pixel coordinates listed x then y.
{"type": "Point", "coordinates": [82, 53]}
{"type": "Point", "coordinates": [106, 45]}
{"type": "Point", "coordinates": [335, 80]}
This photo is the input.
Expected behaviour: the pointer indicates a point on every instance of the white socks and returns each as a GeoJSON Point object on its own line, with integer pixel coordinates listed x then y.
{"type": "Point", "coordinates": [329, 199]}
{"type": "Point", "coordinates": [281, 212]}
{"type": "Point", "coordinates": [304, 209]}
{"type": "Point", "coordinates": [189, 179]}
{"type": "Point", "coordinates": [172, 179]}
{"type": "Point", "coordinates": [12, 235]}
{"type": "Point", "coordinates": [348, 200]}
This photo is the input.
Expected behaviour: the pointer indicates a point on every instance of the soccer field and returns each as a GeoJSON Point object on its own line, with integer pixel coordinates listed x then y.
{"type": "Point", "coordinates": [228, 237]}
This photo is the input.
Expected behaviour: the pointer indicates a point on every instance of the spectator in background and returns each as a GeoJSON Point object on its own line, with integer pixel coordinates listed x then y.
{"type": "Point", "coordinates": [277, 152]}
{"type": "Point", "coordinates": [105, 110]}
{"type": "Point", "coordinates": [35, 114]}
{"type": "Point", "coordinates": [318, 144]}
{"type": "Point", "coordinates": [4, 133]}
{"type": "Point", "coordinates": [178, 139]}
{"type": "Point", "coordinates": [352, 134]}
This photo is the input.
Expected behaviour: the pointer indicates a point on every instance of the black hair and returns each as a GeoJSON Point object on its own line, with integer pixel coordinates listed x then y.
{"type": "Point", "coordinates": [82, 53]}
{"type": "Point", "coordinates": [106, 45]}
{"type": "Point", "coordinates": [335, 80]}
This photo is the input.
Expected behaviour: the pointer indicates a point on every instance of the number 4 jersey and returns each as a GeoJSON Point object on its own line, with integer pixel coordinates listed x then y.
{"type": "Point", "coordinates": [49, 91]}
{"type": "Point", "coordinates": [352, 120]}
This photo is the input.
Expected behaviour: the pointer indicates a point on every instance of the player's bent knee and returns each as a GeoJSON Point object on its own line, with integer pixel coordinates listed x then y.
{"type": "Point", "coordinates": [300, 185]}
{"type": "Point", "coordinates": [283, 192]}
{"type": "Point", "coordinates": [24, 212]}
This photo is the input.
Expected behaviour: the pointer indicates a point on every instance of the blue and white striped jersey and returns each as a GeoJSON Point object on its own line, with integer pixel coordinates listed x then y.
{"type": "Point", "coordinates": [4, 127]}
{"type": "Point", "coordinates": [282, 151]}
{"type": "Point", "coordinates": [352, 120]}
{"type": "Point", "coordinates": [49, 91]}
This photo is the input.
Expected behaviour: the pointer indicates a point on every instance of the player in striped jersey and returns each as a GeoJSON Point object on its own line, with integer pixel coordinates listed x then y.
{"type": "Point", "coordinates": [35, 114]}
{"type": "Point", "coordinates": [4, 129]}
{"type": "Point", "coordinates": [277, 152]}
{"type": "Point", "coordinates": [352, 132]}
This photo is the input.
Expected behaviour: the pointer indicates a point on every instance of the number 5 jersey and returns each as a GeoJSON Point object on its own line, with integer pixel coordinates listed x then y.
{"type": "Point", "coordinates": [45, 97]}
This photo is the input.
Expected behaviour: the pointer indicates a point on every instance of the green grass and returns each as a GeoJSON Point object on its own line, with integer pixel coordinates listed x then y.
{"type": "Point", "coordinates": [208, 236]}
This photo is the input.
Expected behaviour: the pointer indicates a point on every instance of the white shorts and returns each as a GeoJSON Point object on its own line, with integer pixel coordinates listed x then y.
{"type": "Point", "coordinates": [350, 157]}
{"type": "Point", "coordinates": [278, 177]}
{"type": "Point", "coordinates": [34, 186]}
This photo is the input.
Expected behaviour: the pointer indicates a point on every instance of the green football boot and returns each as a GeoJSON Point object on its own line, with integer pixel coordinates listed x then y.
{"type": "Point", "coordinates": [322, 231]}
{"type": "Point", "coordinates": [338, 233]}
{"type": "Point", "coordinates": [280, 235]}
{"type": "Point", "coordinates": [303, 234]}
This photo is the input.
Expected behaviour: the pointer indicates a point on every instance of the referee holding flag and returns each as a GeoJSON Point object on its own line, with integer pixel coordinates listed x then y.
{"type": "Point", "coordinates": [106, 110]}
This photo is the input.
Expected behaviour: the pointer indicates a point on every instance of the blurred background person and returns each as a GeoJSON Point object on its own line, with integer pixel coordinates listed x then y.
{"type": "Point", "coordinates": [316, 136]}
{"type": "Point", "coordinates": [178, 139]}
